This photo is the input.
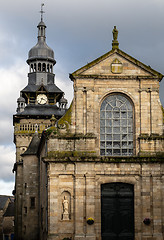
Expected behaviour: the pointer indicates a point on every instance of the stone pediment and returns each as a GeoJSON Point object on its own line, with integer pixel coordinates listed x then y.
{"type": "Point", "coordinates": [116, 63]}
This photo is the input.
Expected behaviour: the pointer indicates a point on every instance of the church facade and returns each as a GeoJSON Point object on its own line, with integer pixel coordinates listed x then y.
{"type": "Point", "coordinates": [95, 170]}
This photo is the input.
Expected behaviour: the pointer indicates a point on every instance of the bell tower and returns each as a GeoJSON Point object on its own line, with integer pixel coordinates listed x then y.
{"type": "Point", "coordinates": [41, 98]}
{"type": "Point", "coordinates": [38, 101]}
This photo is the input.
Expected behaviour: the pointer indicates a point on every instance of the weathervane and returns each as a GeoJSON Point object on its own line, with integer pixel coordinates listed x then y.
{"type": "Point", "coordinates": [42, 11]}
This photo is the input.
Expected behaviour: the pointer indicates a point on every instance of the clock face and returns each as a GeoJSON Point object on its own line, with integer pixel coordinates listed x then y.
{"type": "Point", "coordinates": [42, 99]}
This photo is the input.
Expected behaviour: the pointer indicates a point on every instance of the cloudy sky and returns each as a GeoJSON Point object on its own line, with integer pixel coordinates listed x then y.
{"type": "Point", "coordinates": [79, 31]}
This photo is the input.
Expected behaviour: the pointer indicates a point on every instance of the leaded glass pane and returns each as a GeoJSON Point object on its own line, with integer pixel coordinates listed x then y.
{"type": "Point", "coordinates": [108, 137]}
{"type": "Point", "coordinates": [116, 129]}
{"type": "Point", "coordinates": [130, 130]}
{"type": "Point", "coordinates": [130, 151]}
{"type": "Point", "coordinates": [119, 103]}
{"type": "Point", "coordinates": [123, 107]}
{"type": "Point", "coordinates": [116, 114]}
{"type": "Point", "coordinates": [108, 144]}
{"type": "Point", "coordinates": [108, 114]}
{"type": "Point", "coordinates": [109, 107]}
{"type": "Point", "coordinates": [123, 122]}
{"type": "Point", "coordinates": [123, 114]}
{"type": "Point", "coordinates": [116, 145]}
{"type": "Point", "coordinates": [113, 103]}
{"type": "Point", "coordinates": [102, 114]}
{"type": "Point", "coordinates": [102, 122]}
{"type": "Point", "coordinates": [103, 105]}
{"type": "Point", "coordinates": [116, 122]}
{"type": "Point", "coordinates": [102, 130]}
{"type": "Point", "coordinates": [108, 130]}
{"type": "Point", "coordinates": [116, 152]}
{"type": "Point", "coordinates": [102, 137]}
{"type": "Point", "coordinates": [124, 152]}
{"type": "Point", "coordinates": [124, 137]}
{"type": "Point", "coordinates": [109, 152]}
{"type": "Point", "coordinates": [130, 136]}
{"type": "Point", "coordinates": [102, 145]}
{"type": "Point", "coordinates": [129, 105]}
{"type": "Point", "coordinates": [124, 144]}
{"type": "Point", "coordinates": [109, 123]}
{"type": "Point", "coordinates": [116, 136]}
{"type": "Point", "coordinates": [102, 151]}
{"type": "Point", "coordinates": [130, 114]}
{"type": "Point", "coordinates": [130, 144]}
{"type": "Point", "coordinates": [124, 130]}
{"type": "Point", "coordinates": [116, 126]}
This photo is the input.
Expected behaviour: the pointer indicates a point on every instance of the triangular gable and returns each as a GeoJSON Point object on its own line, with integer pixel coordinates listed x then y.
{"type": "Point", "coordinates": [42, 88]}
{"type": "Point", "coordinates": [116, 62]}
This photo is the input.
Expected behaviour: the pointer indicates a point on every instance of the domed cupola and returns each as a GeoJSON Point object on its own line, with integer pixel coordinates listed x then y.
{"type": "Point", "coordinates": [21, 104]}
{"type": "Point", "coordinates": [41, 58]}
{"type": "Point", "coordinates": [41, 51]}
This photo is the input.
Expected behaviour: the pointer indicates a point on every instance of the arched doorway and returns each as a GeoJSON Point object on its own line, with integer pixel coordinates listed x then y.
{"type": "Point", "coordinates": [117, 211]}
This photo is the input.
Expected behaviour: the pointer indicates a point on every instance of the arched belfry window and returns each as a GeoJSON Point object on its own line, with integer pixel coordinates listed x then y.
{"type": "Point", "coordinates": [116, 126]}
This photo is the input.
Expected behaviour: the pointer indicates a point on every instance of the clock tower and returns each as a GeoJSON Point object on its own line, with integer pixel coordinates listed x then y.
{"type": "Point", "coordinates": [38, 101]}
{"type": "Point", "coordinates": [41, 98]}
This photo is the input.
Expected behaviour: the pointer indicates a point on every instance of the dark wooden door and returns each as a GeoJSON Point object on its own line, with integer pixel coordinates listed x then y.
{"type": "Point", "coordinates": [117, 211]}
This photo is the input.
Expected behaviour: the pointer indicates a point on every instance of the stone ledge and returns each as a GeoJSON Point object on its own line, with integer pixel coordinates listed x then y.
{"type": "Point", "coordinates": [75, 156]}
{"type": "Point", "coordinates": [52, 133]}
{"type": "Point", "coordinates": [115, 77]}
{"type": "Point", "coordinates": [150, 137]}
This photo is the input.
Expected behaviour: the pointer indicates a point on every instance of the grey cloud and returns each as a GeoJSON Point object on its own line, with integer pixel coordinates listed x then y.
{"type": "Point", "coordinates": [6, 131]}
{"type": "Point", "coordinates": [79, 32]}
{"type": "Point", "coordinates": [7, 158]}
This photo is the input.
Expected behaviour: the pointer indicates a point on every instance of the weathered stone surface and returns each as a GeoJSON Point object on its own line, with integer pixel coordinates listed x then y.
{"type": "Point", "coordinates": [68, 162]}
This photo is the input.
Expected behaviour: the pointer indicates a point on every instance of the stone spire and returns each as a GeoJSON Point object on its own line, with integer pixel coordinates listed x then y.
{"type": "Point", "coordinates": [115, 42]}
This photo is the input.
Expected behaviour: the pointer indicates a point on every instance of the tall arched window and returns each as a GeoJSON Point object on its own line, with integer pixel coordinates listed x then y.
{"type": "Point", "coordinates": [116, 126]}
{"type": "Point", "coordinates": [44, 67]}
{"type": "Point", "coordinates": [39, 67]}
{"type": "Point", "coordinates": [34, 67]}
{"type": "Point", "coordinates": [31, 69]}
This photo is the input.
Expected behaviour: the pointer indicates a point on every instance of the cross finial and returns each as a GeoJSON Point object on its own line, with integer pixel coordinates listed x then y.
{"type": "Point", "coordinates": [41, 11]}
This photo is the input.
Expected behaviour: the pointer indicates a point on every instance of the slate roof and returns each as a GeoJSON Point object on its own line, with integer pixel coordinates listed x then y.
{"type": "Point", "coordinates": [3, 200]}
{"type": "Point", "coordinates": [41, 50]}
{"type": "Point", "coordinates": [10, 210]}
{"type": "Point", "coordinates": [33, 146]}
{"type": "Point", "coordinates": [51, 88]}
{"type": "Point", "coordinates": [41, 110]}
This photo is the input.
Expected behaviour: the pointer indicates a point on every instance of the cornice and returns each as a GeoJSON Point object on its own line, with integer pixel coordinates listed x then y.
{"type": "Point", "coordinates": [113, 77]}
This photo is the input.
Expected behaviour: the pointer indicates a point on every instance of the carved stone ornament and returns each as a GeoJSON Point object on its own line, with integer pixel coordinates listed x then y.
{"type": "Point", "coordinates": [115, 33]}
{"type": "Point", "coordinates": [115, 42]}
{"type": "Point", "coordinates": [116, 66]}
{"type": "Point", "coordinates": [65, 208]}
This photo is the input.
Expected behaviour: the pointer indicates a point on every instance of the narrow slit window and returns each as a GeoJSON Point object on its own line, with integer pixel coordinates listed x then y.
{"type": "Point", "coordinates": [32, 202]}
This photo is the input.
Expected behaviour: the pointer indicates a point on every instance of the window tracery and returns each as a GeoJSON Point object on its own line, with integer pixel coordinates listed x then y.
{"type": "Point", "coordinates": [116, 126]}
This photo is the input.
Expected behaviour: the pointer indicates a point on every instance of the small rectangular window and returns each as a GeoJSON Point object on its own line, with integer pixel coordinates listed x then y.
{"type": "Point", "coordinates": [32, 202]}
{"type": "Point", "coordinates": [25, 210]}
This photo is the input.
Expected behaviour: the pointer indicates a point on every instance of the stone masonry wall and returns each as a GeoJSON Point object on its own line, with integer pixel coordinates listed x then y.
{"type": "Point", "coordinates": [89, 94]}
{"type": "Point", "coordinates": [30, 191]}
{"type": "Point", "coordinates": [82, 180]}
